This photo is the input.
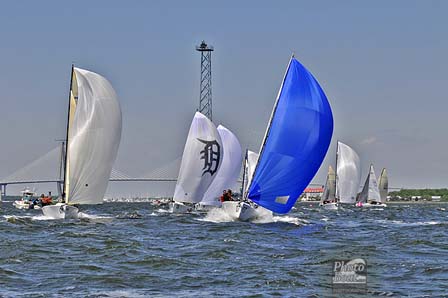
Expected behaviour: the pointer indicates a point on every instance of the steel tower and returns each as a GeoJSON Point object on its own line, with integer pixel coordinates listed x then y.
{"type": "Point", "coordinates": [205, 97]}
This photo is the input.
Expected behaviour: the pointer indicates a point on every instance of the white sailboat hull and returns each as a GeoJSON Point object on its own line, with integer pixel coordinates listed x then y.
{"type": "Point", "coordinates": [243, 211]}
{"type": "Point", "coordinates": [329, 206]}
{"type": "Point", "coordinates": [60, 211]}
{"type": "Point", "coordinates": [25, 205]}
{"type": "Point", "coordinates": [179, 207]}
{"type": "Point", "coordinates": [204, 208]}
{"type": "Point", "coordinates": [368, 205]}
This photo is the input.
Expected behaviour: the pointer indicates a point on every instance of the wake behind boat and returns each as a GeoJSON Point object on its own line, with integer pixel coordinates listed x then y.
{"type": "Point", "coordinates": [92, 139]}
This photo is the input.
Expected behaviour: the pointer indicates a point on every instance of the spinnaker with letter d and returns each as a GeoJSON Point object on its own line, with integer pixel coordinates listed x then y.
{"type": "Point", "coordinates": [200, 163]}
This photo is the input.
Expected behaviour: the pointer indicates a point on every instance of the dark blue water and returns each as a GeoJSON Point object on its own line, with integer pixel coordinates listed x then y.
{"type": "Point", "coordinates": [107, 254]}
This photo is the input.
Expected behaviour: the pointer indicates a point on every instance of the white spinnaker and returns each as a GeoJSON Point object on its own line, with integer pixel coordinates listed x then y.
{"type": "Point", "coordinates": [93, 139]}
{"type": "Point", "coordinates": [330, 186]}
{"type": "Point", "coordinates": [251, 163]}
{"type": "Point", "coordinates": [383, 185]}
{"type": "Point", "coordinates": [229, 169]}
{"type": "Point", "coordinates": [370, 191]}
{"type": "Point", "coordinates": [201, 160]}
{"type": "Point", "coordinates": [348, 174]}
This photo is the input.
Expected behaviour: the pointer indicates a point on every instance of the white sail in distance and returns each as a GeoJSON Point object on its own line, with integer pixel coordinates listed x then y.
{"type": "Point", "coordinates": [330, 186]}
{"type": "Point", "coordinates": [383, 185]}
{"type": "Point", "coordinates": [93, 137]}
{"type": "Point", "coordinates": [250, 165]}
{"type": "Point", "coordinates": [201, 160]}
{"type": "Point", "coordinates": [348, 173]}
{"type": "Point", "coordinates": [229, 169]}
{"type": "Point", "coordinates": [370, 191]}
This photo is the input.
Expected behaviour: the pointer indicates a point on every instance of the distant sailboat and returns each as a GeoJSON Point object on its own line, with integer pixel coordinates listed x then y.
{"type": "Point", "coordinates": [93, 137]}
{"type": "Point", "coordinates": [328, 199]}
{"type": "Point", "coordinates": [296, 141]}
{"type": "Point", "coordinates": [228, 171]}
{"type": "Point", "coordinates": [201, 161]}
{"type": "Point", "coordinates": [383, 185]}
{"type": "Point", "coordinates": [370, 194]}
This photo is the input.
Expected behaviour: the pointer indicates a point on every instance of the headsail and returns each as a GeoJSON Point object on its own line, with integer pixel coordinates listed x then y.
{"type": "Point", "coordinates": [93, 137]}
{"type": "Point", "coordinates": [229, 170]}
{"type": "Point", "coordinates": [296, 141]}
{"type": "Point", "coordinates": [370, 191]}
{"type": "Point", "coordinates": [383, 185]}
{"type": "Point", "coordinates": [200, 161]}
{"type": "Point", "coordinates": [330, 187]}
{"type": "Point", "coordinates": [348, 173]}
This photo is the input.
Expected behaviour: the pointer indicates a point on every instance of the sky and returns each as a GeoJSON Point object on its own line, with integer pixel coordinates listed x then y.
{"type": "Point", "coordinates": [382, 65]}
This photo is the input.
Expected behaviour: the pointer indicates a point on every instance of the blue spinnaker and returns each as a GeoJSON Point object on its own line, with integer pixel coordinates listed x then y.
{"type": "Point", "coordinates": [296, 141]}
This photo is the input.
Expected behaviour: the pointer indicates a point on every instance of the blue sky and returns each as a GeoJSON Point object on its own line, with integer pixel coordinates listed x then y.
{"type": "Point", "coordinates": [382, 65]}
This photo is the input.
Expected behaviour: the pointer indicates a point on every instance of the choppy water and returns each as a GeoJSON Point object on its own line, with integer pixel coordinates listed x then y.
{"type": "Point", "coordinates": [106, 254]}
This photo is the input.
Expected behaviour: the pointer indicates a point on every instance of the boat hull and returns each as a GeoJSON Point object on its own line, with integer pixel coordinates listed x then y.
{"type": "Point", "coordinates": [329, 206]}
{"type": "Point", "coordinates": [244, 211]}
{"type": "Point", "coordinates": [60, 211]}
{"type": "Point", "coordinates": [369, 205]}
{"type": "Point", "coordinates": [25, 205]}
{"type": "Point", "coordinates": [178, 207]}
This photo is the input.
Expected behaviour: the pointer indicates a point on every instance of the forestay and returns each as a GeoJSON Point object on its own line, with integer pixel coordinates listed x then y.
{"type": "Point", "coordinates": [370, 191]}
{"type": "Point", "coordinates": [295, 143]}
{"type": "Point", "coordinates": [348, 173]}
{"type": "Point", "coordinates": [229, 170]}
{"type": "Point", "coordinates": [330, 187]}
{"type": "Point", "coordinates": [93, 137]}
{"type": "Point", "coordinates": [201, 160]}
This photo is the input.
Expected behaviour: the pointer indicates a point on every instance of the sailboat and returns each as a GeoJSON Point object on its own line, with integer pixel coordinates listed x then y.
{"type": "Point", "coordinates": [383, 185]}
{"type": "Point", "coordinates": [295, 143]}
{"type": "Point", "coordinates": [92, 139]}
{"type": "Point", "coordinates": [343, 185]}
{"type": "Point", "coordinates": [370, 194]}
{"type": "Point", "coordinates": [228, 171]}
{"type": "Point", "coordinates": [201, 161]}
{"type": "Point", "coordinates": [328, 199]}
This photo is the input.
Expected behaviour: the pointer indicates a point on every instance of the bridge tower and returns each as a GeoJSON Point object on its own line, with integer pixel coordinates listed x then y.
{"type": "Point", "coordinates": [205, 96]}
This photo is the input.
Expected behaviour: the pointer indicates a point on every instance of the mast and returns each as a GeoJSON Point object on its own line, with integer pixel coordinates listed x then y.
{"type": "Point", "coordinates": [336, 194]}
{"type": "Point", "coordinates": [243, 192]}
{"type": "Point", "coordinates": [64, 199]}
{"type": "Point", "coordinates": [266, 135]}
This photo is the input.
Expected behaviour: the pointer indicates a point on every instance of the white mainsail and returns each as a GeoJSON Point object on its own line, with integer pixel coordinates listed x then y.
{"type": "Point", "coordinates": [383, 185]}
{"type": "Point", "coordinates": [348, 173]}
{"type": "Point", "coordinates": [200, 161]}
{"type": "Point", "coordinates": [370, 191]}
{"type": "Point", "coordinates": [93, 137]}
{"type": "Point", "coordinates": [330, 187]}
{"type": "Point", "coordinates": [229, 169]}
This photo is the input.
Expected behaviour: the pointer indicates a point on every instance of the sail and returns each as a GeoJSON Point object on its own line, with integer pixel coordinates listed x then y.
{"type": "Point", "coordinates": [94, 133]}
{"type": "Point", "coordinates": [295, 143]}
{"type": "Point", "coordinates": [330, 187]}
{"type": "Point", "coordinates": [370, 191]}
{"type": "Point", "coordinates": [229, 170]}
{"type": "Point", "coordinates": [251, 162]}
{"type": "Point", "coordinates": [200, 161]}
{"type": "Point", "coordinates": [383, 185]}
{"type": "Point", "coordinates": [348, 174]}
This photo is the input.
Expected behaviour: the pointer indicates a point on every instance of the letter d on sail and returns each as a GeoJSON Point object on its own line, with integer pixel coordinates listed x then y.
{"type": "Point", "coordinates": [211, 154]}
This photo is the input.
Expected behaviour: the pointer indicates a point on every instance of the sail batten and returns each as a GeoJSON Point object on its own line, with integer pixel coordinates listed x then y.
{"type": "Point", "coordinates": [296, 141]}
